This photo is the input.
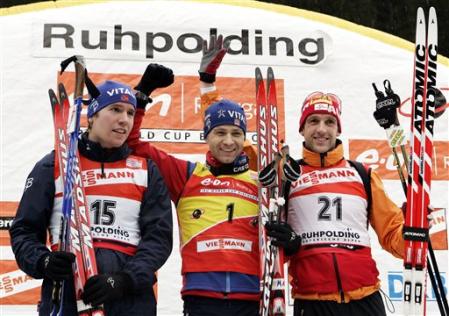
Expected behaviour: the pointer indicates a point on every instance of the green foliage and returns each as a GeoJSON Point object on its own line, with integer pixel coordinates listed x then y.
{"type": "Point", "coordinates": [396, 17]}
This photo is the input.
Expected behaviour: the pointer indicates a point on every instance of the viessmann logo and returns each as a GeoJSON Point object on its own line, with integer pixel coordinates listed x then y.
{"type": "Point", "coordinates": [224, 244]}
{"type": "Point", "coordinates": [306, 49]}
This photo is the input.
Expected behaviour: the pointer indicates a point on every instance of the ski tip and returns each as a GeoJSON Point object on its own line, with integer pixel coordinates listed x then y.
{"type": "Point", "coordinates": [258, 72]}
{"type": "Point", "coordinates": [432, 15]}
{"type": "Point", "coordinates": [270, 73]}
{"type": "Point", "coordinates": [62, 91]}
{"type": "Point", "coordinates": [420, 17]}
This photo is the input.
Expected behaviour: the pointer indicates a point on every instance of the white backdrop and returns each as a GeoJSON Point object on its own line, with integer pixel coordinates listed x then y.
{"type": "Point", "coordinates": [327, 54]}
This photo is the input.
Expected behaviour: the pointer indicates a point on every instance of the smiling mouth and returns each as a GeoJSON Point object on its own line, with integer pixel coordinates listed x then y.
{"type": "Point", "coordinates": [120, 131]}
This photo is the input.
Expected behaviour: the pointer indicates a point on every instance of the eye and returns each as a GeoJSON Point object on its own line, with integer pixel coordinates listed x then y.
{"type": "Point", "coordinates": [131, 113]}
{"type": "Point", "coordinates": [116, 109]}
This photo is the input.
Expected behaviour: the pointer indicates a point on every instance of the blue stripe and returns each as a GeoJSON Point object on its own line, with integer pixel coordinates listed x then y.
{"type": "Point", "coordinates": [224, 282]}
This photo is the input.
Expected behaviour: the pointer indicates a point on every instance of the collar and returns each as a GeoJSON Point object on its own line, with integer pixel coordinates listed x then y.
{"type": "Point", "coordinates": [217, 168]}
{"type": "Point", "coordinates": [94, 151]}
{"type": "Point", "coordinates": [323, 159]}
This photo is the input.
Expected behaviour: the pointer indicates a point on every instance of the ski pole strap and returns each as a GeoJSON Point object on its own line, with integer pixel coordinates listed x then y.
{"type": "Point", "coordinates": [416, 233]}
{"type": "Point", "coordinates": [366, 178]}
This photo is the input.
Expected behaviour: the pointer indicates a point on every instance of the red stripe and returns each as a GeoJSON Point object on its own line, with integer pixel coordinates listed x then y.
{"type": "Point", "coordinates": [117, 246]}
{"type": "Point", "coordinates": [128, 191]}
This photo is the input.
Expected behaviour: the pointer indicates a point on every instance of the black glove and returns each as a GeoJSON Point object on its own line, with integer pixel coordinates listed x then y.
{"type": "Point", "coordinates": [267, 177]}
{"type": "Point", "coordinates": [57, 265]}
{"type": "Point", "coordinates": [155, 76]}
{"type": "Point", "coordinates": [292, 169]}
{"type": "Point", "coordinates": [142, 100]}
{"type": "Point", "coordinates": [386, 106]}
{"type": "Point", "coordinates": [440, 101]}
{"type": "Point", "coordinates": [283, 236]}
{"type": "Point", "coordinates": [211, 59]}
{"type": "Point", "coordinates": [106, 287]}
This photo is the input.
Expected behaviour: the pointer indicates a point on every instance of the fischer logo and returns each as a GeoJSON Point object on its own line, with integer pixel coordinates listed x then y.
{"type": "Point", "coordinates": [307, 48]}
{"type": "Point", "coordinates": [224, 244]}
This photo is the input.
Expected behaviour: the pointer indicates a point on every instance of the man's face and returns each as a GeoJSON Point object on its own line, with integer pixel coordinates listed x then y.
{"type": "Point", "coordinates": [111, 126]}
{"type": "Point", "coordinates": [320, 132]}
{"type": "Point", "coordinates": [225, 142]}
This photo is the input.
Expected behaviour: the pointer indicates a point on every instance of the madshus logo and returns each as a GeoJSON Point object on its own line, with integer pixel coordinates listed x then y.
{"type": "Point", "coordinates": [308, 50]}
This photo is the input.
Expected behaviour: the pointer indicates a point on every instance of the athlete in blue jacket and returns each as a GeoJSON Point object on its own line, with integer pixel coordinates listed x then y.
{"type": "Point", "coordinates": [130, 215]}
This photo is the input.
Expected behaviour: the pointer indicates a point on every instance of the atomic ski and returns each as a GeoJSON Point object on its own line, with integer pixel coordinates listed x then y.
{"type": "Point", "coordinates": [386, 115]}
{"type": "Point", "coordinates": [270, 201]}
{"type": "Point", "coordinates": [75, 235]}
{"type": "Point", "coordinates": [421, 147]}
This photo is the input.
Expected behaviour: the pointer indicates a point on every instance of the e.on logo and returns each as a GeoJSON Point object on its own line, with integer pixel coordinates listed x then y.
{"type": "Point", "coordinates": [377, 154]}
{"type": "Point", "coordinates": [215, 182]}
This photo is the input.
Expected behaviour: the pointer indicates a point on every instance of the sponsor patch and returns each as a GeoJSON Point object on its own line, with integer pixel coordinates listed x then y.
{"type": "Point", "coordinates": [224, 244]}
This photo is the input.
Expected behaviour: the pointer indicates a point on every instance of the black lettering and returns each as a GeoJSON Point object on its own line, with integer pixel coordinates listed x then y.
{"type": "Point", "coordinates": [305, 48]}
{"type": "Point", "coordinates": [67, 29]}
{"type": "Point", "coordinates": [118, 36]}
{"type": "Point", "coordinates": [244, 43]}
{"type": "Point", "coordinates": [150, 47]}
{"type": "Point", "coordinates": [258, 42]}
{"type": "Point", "coordinates": [288, 45]}
{"type": "Point", "coordinates": [102, 41]}
{"type": "Point", "coordinates": [198, 45]}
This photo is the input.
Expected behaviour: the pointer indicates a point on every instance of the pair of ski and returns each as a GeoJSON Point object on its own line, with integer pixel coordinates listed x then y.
{"type": "Point", "coordinates": [75, 235]}
{"type": "Point", "coordinates": [270, 198]}
{"type": "Point", "coordinates": [421, 149]}
{"type": "Point", "coordinates": [419, 167]}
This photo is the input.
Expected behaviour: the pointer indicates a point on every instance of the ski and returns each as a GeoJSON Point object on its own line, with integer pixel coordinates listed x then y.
{"type": "Point", "coordinates": [271, 258]}
{"type": "Point", "coordinates": [60, 112]}
{"type": "Point", "coordinates": [75, 235]}
{"type": "Point", "coordinates": [386, 116]}
{"type": "Point", "coordinates": [418, 189]}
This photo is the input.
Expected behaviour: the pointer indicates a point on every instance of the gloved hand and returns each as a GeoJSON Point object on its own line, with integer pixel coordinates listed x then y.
{"type": "Point", "coordinates": [429, 213]}
{"type": "Point", "coordinates": [292, 169]}
{"type": "Point", "coordinates": [440, 101]}
{"type": "Point", "coordinates": [386, 106]}
{"type": "Point", "coordinates": [57, 265]}
{"type": "Point", "coordinates": [142, 100]}
{"type": "Point", "coordinates": [155, 76]}
{"type": "Point", "coordinates": [211, 59]}
{"type": "Point", "coordinates": [267, 176]}
{"type": "Point", "coordinates": [106, 287]}
{"type": "Point", "coordinates": [283, 236]}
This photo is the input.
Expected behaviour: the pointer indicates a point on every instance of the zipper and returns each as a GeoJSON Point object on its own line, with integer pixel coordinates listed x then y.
{"type": "Point", "coordinates": [337, 274]}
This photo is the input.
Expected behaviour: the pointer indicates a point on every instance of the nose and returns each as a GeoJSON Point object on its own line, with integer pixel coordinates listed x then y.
{"type": "Point", "coordinates": [124, 119]}
{"type": "Point", "coordinates": [228, 139]}
{"type": "Point", "coordinates": [321, 126]}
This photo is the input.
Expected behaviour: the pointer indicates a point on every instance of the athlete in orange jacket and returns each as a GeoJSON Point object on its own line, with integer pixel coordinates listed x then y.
{"type": "Point", "coordinates": [326, 233]}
